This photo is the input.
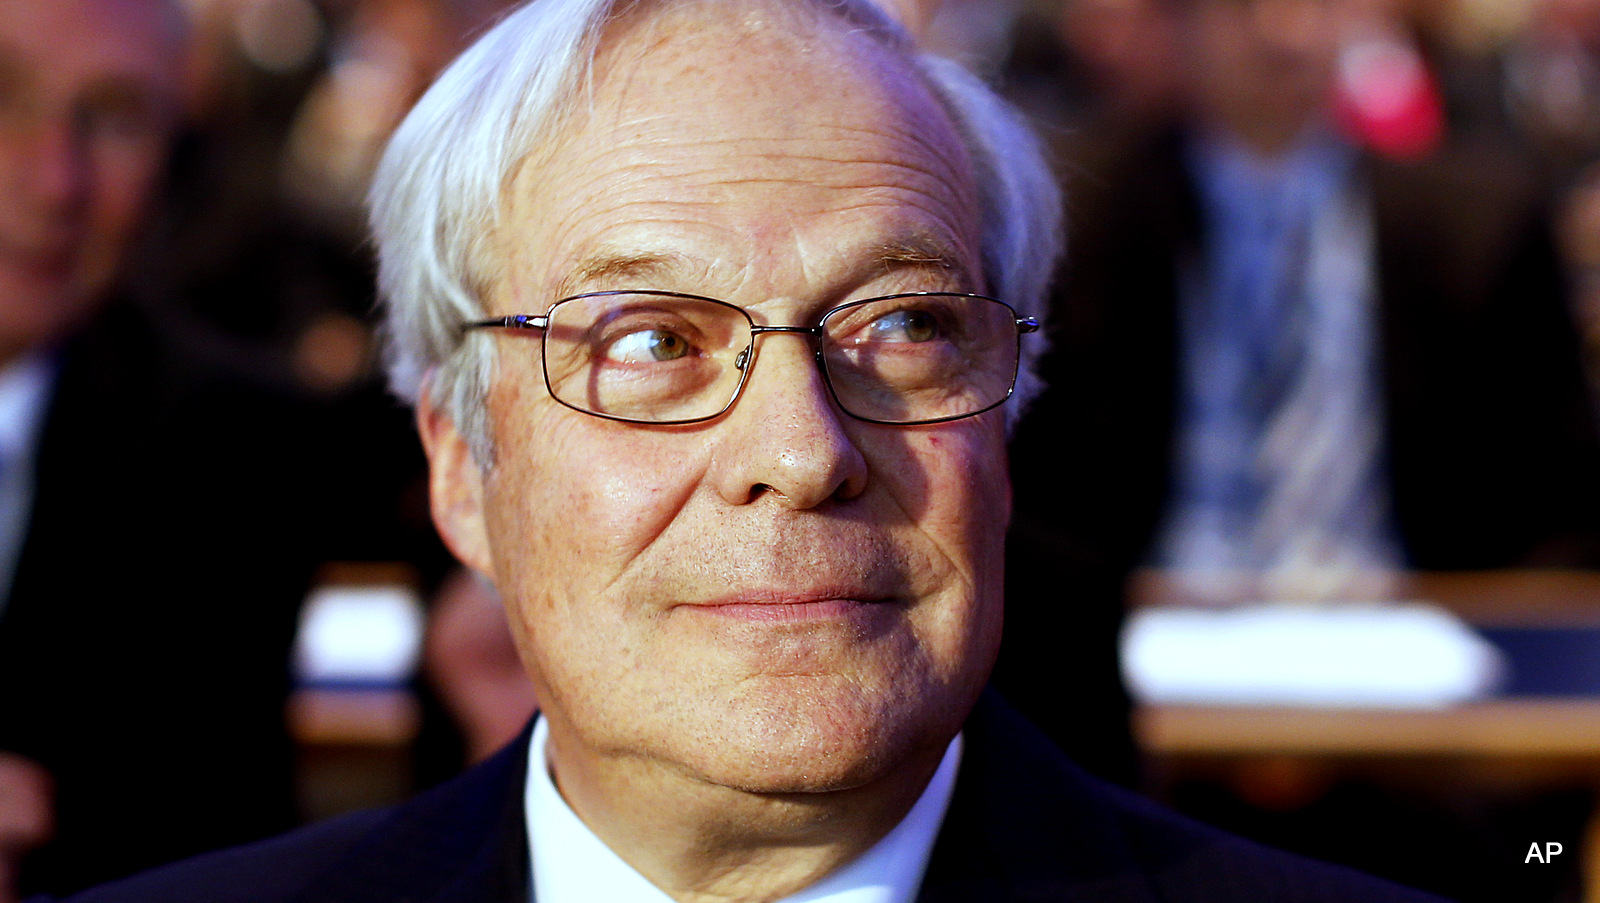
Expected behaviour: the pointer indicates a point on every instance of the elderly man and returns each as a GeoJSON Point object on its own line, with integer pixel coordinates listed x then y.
{"type": "Point", "coordinates": [694, 298]}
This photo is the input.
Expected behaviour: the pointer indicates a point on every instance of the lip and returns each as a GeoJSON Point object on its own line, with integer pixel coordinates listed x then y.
{"type": "Point", "coordinates": [52, 261]}
{"type": "Point", "coordinates": [781, 607]}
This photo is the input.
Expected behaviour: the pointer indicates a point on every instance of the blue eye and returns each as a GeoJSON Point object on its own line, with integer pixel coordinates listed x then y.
{"type": "Point", "coordinates": [905, 326]}
{"type": "Point", "coordinates": [648, 345]}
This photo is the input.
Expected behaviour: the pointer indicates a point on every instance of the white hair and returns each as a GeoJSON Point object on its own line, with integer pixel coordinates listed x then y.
{"type": "Point", "coordinates": [437, 193]}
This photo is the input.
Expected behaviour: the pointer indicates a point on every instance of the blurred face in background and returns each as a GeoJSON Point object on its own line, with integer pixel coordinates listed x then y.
{"type": "Point", "coordinates": [1128, 49]}
{"type": "Point", "coordinates": [88, 98]}
{"type": "Point", "coordinates": [1262, 69]}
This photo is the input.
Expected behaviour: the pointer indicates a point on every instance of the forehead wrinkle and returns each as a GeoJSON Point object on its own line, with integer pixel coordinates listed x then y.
{"type": "Point", "coordinates": [894, 138]}
{"type": "Point", "coordinates": [910, 113]}
{"type": "Point", "coordinates": [676, 259]}
{"type": "Point", "coordinates": [698, 178]}
{"type": "Point", "coordinates": [643, 245]}
{"type": "Point", "coordinates": [660, 238]}
{"type": "Point", "coordinates": [705, 165]}
{"type": "Point", "coordinates": [671, 246]}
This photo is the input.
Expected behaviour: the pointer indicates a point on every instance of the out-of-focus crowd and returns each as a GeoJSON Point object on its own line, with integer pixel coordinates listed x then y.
{"type": "Point", "coordinates": [193, 431]}
{"type": "Point", "coordinates": [1322, 320]}
{"type": "Point", "coordinates": [1330, 311]}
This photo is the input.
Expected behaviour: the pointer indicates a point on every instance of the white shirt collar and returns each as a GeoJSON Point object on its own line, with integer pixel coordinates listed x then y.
{"type": "Point", "coordinates": [24, 392]}
{"type": "Point", "coordinates": [572, 865]}
{"type": "Point", "coordinates": [25, 387]}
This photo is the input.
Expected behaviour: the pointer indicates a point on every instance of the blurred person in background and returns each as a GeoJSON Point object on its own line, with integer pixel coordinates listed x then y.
{"type": "Point", "coordinates": [258, 238]}
{"type": "Point", "coordinates": [1525, 79]}
{"type": "Point", "coordinates": [258, 244]}
{"type": "Point", "coordinates": [89, 95]}
{"type": "Point", "coordinates": [471, 664]}
{"type": "Point", "coordinates": [1090, 74]}
{"type": "Point", "coordinates": [1085, 67]}
{"type": "Point", "coordinates": [162, 508]}
{"type": "Point", "coordinates": [1549, 106]}
{"type": "Point", "coordinates": [1282, 365]}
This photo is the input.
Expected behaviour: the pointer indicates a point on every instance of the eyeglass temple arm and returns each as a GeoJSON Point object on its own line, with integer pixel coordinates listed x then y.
{"type": "Point", "coordinates": [1026, 325]}
{"type": "Point", "coordinates": [517, 321]}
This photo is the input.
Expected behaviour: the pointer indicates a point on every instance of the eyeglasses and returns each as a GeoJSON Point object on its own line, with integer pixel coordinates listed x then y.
{"type": "Point", "coordinates": [667, 357]}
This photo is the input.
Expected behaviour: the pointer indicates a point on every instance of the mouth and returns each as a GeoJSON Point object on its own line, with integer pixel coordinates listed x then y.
{"type": "Point", "coordinates": [44, 263]}
{"type": "Point", "coordinates": [779, 607]}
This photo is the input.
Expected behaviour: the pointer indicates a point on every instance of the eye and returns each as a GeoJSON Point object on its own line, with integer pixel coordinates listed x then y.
{"type": "Point", "coordinates": [645, 346]}
{"type": "Point", "coordinates": [905, 326]}
{"type": "Point", "coordinates": [120, 112]}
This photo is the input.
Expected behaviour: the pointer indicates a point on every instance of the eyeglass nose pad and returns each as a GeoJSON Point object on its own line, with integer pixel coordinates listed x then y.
{"type": "Point", "coordinates": [742, 359]}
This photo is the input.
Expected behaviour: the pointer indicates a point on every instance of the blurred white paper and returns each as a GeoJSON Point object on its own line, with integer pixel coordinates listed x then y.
{"type": "Point", "coordinates": [1410, 655]}
{"type": "Point", "coordinates": [366, 634]}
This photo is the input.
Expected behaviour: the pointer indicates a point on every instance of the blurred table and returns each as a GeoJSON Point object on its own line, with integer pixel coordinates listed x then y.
{"type": "Point", "coordinates": [1526, 740]}
{"type": "Point", "coordinates": [353, 748]}
{"type": "Point", "coordinates": [353, 717]}
{"type": "Point", "coordinates": [1560, 734]}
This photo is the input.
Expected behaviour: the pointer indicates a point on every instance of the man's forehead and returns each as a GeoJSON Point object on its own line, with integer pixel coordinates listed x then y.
{"type": "Point", "coordinates": [653, 25]}
{"type": "Point", "coordinates": [745, 48]}
{"type": "Point", "coordinates": [691, 99]}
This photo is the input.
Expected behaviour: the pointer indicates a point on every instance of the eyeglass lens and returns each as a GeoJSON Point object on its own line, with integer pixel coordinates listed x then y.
{"type": "Point", "coordinates": [658, 358]}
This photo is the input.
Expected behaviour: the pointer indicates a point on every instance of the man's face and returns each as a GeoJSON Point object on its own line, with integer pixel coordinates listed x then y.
{"type": "Point", "coordinates": [1264, 66]}
{"type": "Point", "coordinates": [87, 94]}
{"type": "Point", "coordinates": [782, 599]}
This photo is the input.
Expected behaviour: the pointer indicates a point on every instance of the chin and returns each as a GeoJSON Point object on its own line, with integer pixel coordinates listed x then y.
{"type": "Point", "coordinates": [811, 739]}
{"type": "Point", "coordinates": [39, 310]}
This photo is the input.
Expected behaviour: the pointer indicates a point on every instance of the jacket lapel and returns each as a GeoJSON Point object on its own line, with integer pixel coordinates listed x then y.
{"type": "Point", "coordinates": [1026, 824]}
{"type": "Point", "coordinates": [441, 848]}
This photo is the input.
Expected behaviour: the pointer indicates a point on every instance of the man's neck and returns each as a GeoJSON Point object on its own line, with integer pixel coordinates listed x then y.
{"type": "Point", "coordinates": [698, 841]}
{"type": "Point", "coordinates": [1269, 135]}
{"type": "Point", "coordinates": [11, 353]}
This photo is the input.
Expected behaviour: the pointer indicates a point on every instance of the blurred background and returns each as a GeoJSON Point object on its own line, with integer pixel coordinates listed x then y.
{"type": "Point", "coordinates": [1307, 539]}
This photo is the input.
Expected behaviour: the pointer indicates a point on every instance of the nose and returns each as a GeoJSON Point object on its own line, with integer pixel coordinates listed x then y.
{"type": "Point", "coordinates": [785, 438]}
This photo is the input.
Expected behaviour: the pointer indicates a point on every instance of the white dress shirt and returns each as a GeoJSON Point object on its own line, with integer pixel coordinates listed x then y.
{"type": "Point", "coordinates": [25, 387]}
{"type": "Point", "coordinates": [572, 865]}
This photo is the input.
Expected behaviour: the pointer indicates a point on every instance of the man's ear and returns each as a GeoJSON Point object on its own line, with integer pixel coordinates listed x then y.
{"type": "Point", "coordinates": [455, 486]}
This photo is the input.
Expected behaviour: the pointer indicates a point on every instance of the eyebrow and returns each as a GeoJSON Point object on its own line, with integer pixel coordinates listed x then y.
{"type": "Point", "coordinates": [925, 254]}
{"type": "Point", "coordinates": [125, 95]}
{"type": "Point", "coordinates": [644, 269]}
{"type": "Point", "coordinates": [620, 267]}
{"type": "Point", "coordinates": [124, 101]}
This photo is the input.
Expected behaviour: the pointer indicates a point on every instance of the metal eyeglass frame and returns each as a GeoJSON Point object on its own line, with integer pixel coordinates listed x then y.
{"type": "Point", "coordinates": [1024, 326]}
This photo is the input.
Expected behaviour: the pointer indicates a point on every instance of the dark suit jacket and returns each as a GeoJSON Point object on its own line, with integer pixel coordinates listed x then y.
{"type": "Point", "coordinates": [1024, 825]}
{"type": "Point", "coordinates": [180, 510]}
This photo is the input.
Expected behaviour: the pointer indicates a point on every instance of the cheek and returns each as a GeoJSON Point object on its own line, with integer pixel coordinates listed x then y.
{"type": "Point", "coordinates": [954, 483]}
{"type": "Point", "coordinates": [576, 499]}
{"type": "Point", "coordinates": [124, 178]}
{"type": "Point", "coordinates": [964, 514]}
{"type": "Point", "coordinates": [122, 181]}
